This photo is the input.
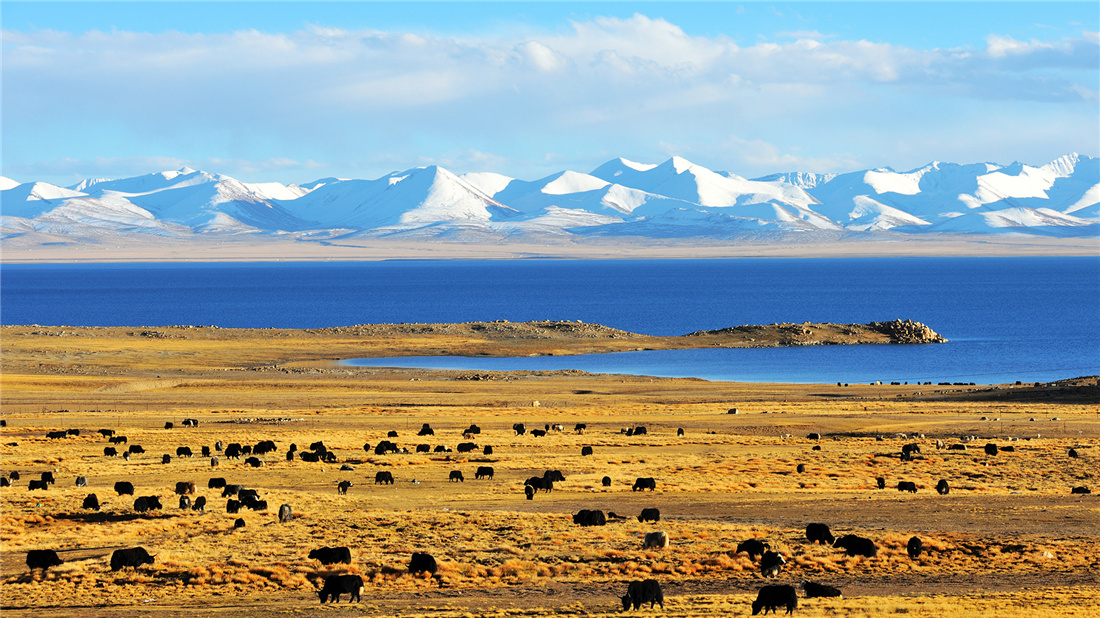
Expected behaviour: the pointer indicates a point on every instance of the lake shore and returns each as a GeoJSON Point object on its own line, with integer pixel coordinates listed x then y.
{"type": "Point", "coordinates": [247, 249]}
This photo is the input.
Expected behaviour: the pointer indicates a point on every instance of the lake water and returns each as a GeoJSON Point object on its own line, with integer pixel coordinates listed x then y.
{"type": "Point", "coordinates": [1030, 319]}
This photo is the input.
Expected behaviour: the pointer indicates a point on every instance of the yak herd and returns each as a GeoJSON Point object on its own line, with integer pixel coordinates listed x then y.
{"type": "Point", "coordinates": [771, 562]}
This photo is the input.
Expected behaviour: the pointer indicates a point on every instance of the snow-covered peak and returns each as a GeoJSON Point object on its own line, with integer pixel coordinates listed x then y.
{"type": "Point", "coordinates": [572, 182]}
{"type": "Point", "coordinates": [904, 183]}
{"type": "Point", "coordinates": [38, 191]}
{"type": "Point", "coordinates": [489, 183]}
{"type": "Point", "coordinates": [7, 183]}
{"type": "Point", "coordinates": [1064, 166]}
{"type": "Point", "coordinates": [87, 183]}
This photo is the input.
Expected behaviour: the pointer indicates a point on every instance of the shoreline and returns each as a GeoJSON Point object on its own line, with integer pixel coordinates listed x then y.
{"type": "Point", "coordinates": [370, 250]}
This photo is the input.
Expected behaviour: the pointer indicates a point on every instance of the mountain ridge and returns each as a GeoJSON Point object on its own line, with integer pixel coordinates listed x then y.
{"type": "Point", "coordinates": [673, 199]}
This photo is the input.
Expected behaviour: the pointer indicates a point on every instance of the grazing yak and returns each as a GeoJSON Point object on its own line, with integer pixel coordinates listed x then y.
{"type": "Point", "coordinates": [200, 504]}
{"type": "Point", "coordinates": [586, 450]}
{"type": "Point", "coordinates": [1073, 453]}
{"type": "Point", "coordinates": [124, 488]}
{"type": "Point", "coordinates": [908, 486]}
{"type": "Point", "coordinates": [47, 477]}
{"type": "Point", "coordinates": [606, 481]}
{"type": "Point", "coordinates": [580, 427]}
{"type": "Point", "coordinates": [42, 559]}
{"type": "Point", "coordinates": [942, 488]}
{"type": "Point", "coordinates": [586, 518]}
{"type": "Point", "coordinates": [771, 563]}
{"type": "Point", "coordinates": [117, 439]}
{"type": "Point", "coordinates": [423, 448]}
{"type": "Point", "coordinates": [466, 447]}
{"type": "Point", "coordinates": [231, 489]}
{"type": "Point", "coordinates": [771, 598]}
{"type": "Point", "coordinates": [914, 547]}
{"type": "Point", "coordinates": [185, 503]}
{"type": "Point", "coordinates": [4, 482]}
{"type": "Point", "coordinates": [857, 546]}
{"type": "Point", "coordinates": [910, 449]}
{"type": "Point", "coordinates": [426, 430]}
{"type": "Point", "coordinates": [110, 451]}
{"type": "Point", "coordinates": [813, 436]}
{"type": "Point", "coordinates": [132, 557]}
{"type": "Point", "coordinates": [1080, 490]}
{"type": "Point", "coordinates": [422, 562]}
{"type": "Point", "coordinates": [483, 472]}
{"type": "Point", "coordinates": [32, 485]}
{"type": "Point", "coordinates": [539, 483]}
{"type": "Point", "coordinates": [640, 593]}
{"type": "Point", "coordinates": [991, 449]}
{"type": "Point", "coordinates": [455, 476]}
{"type": "Point", "coordinates": [336, 585]}
{"type": "Point", "coordinates": [488, 450]}
{"type": "Point", "coordinates": [232, 506]}
{"type": "Point", "coordinates": [529, 492]}
{"type": "Point", "coordinates": [185, 487]}
{"type": "Point", "coordinates": [285, 514]}
{"type": "Point", "coordinates": [135, 449]}
{"type": "Point", "coordinates": [343, 486]}
{"type": "Point", "coordinates": [106, 433]}
{"type": "Point", "coordinates": [205, 451]}
{"type": "Point", "coordinates": [655, 540]}
{"type": "Point", "coordinates": [263, 447]}
{"type": "Point", "coordinates": [519, 429]}
{"type": "Point", "coordinates": [216, 482]}
{"type": "Point", "coordinates": [391, 434]}
{"type": "Point", "coordinates": [91, 501]}
{"type": "Point", "coordinates": [538, 433]}
{"type": "Point", "coordinates": [644, 483]}
{"type": "Point", "coordinates": [238, 523]}
{"type": "Point", "coordinates": [680, 431]}
{"type": "Point", "coordinates": [881, 482]}
{"type": "Point", "coordinates": [331, 555]}
{"type": "Point", "coordinates": [254, 462]}
{"type": "Point", "coordinates": [385, 446]}
{"type": "Point", "coordinates": [819, 533]}
{"type": "Point", "coordinates": [147, 503]}
{"type": "Point", "coordinates": [650, 515]}
{"type": "Point", "coordinates": [81, 481]}
{"type": "Point", "coordinates": [800, 468]}
{"type": "Point", "coordinates": [166, 459]}
{"type": "Point", "coordinates": [183, 451]}
{"type": "Point", "coordinates": [384, 477]}
{"type": "Point", "coordinates": [753, 547]}
{"type": "Point", "coordinates": [814, 590]}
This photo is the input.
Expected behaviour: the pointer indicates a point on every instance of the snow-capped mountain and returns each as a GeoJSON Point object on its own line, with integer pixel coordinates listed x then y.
{"type": "Point", "coordinates": [672, 199]}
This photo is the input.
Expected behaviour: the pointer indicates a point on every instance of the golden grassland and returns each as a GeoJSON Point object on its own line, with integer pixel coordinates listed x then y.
{"type": "Point", "coordinates": [1008, 538]}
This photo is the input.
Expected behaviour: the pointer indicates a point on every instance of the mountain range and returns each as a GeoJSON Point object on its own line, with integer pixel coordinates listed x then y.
{"type": "Point", "coordinates": [674, 199]}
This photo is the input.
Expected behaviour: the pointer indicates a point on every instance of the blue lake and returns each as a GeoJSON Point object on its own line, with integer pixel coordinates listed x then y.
{"type": "Point", "coordinates": [1030, 319]}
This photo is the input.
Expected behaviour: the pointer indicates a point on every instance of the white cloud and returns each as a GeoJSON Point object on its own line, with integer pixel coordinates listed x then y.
{"type": "Point", "coordinates": [366, 96]}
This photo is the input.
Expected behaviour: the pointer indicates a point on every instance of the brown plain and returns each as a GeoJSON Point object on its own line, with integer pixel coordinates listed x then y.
{"type": "Point", "coordinates": [1008, 538]}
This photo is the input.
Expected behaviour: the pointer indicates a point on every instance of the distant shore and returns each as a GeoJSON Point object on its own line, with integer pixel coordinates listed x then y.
{"type": "Point", "coordinates": [18, 251]}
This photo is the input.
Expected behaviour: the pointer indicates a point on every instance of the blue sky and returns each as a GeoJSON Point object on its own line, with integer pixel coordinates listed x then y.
{"type": "Point", "coordinates": [292, 92]}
